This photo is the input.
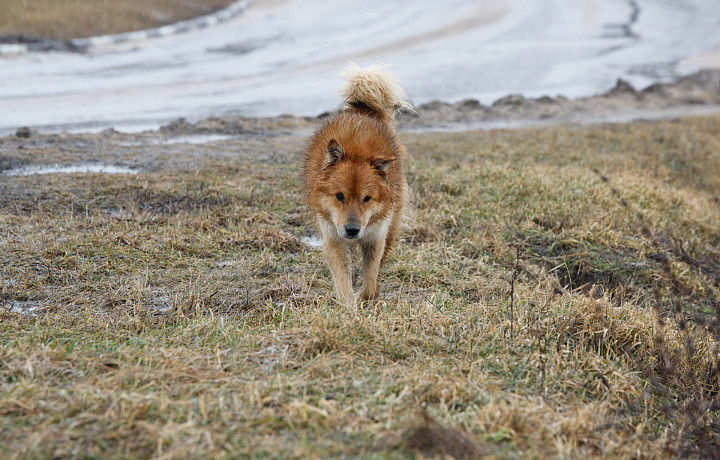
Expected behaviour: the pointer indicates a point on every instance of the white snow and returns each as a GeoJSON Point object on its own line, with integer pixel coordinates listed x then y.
{"type": "Point", "coordinates": [26, 307]}
{"type": "Point", "coordinates": [312, 241]}
{"type": "Point", "coordinates": [283, 57]}
{"type": "Point", "coordinates": [71, 169]}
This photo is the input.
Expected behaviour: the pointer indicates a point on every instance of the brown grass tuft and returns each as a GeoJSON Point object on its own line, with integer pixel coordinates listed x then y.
{"type": "Point", "coordinates": [176, 313]}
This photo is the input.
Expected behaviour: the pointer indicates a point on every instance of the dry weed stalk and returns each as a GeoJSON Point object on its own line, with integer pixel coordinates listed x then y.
{"type": "Point", "coordinates": [516, 270]}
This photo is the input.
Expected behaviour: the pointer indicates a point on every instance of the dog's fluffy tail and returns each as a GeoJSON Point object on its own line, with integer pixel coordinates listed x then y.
{"type": "Point", "coordinates": [373, 89]}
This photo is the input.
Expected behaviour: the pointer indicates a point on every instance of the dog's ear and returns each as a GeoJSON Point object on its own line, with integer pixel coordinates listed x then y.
{"type": "Point", "coordinates": [334, 153]}
{"type": "Point", "coordinates": [382, 164]}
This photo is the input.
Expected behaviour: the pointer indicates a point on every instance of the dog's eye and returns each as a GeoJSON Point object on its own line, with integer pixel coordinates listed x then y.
{"type": "Point", "coordinates": [340, 196]}
{"type": "Point", "coordinates": [367, 198]}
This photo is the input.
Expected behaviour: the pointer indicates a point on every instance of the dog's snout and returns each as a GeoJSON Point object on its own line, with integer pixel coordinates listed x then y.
{"type": "Point", "coordinates": [352, 230]}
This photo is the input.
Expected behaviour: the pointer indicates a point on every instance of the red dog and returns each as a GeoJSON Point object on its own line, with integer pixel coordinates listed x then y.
{"type": "Point", "coordinates": [354, 179]}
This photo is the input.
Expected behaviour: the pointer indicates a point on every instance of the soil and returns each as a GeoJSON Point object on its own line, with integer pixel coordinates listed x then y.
{"type": "Point", "coordinates": [698, 93]}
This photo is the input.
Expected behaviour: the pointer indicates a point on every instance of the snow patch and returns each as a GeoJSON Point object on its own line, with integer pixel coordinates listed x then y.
{"type": "Point", "coordinates": [312, 241]}
{"type": "Point", "coordinates": [71, 169]}
{"type": "Point", "coordinates": [24, 307]}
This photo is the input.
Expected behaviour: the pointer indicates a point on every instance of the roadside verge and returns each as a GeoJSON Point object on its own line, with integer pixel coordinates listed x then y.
{"type": "Point", "coordinates": [84, 44]}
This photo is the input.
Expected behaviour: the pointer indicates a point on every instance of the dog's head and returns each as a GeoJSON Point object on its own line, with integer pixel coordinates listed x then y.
{"type": "Point", "coordinates": [355, 190]}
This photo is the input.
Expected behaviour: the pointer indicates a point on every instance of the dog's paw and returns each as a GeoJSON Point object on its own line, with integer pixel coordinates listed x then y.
{"type": "Point", "coordinates": [366, 295]}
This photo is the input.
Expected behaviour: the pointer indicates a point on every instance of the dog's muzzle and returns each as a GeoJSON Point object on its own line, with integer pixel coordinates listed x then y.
{"type": "Point", "coordinates": [352, 231]}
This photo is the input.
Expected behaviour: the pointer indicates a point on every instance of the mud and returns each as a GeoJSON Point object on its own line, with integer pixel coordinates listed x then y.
{"type": "Point", "coordinates": [41, 44]}
{"type": "Point", "coordinates": [241, 126]}
{"type": "Point", "coordinates": [696, 94]}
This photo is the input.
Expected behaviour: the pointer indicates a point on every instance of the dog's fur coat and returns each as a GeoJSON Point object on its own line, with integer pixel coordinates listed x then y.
{"type": "Point", "coordinates": [354, 179]}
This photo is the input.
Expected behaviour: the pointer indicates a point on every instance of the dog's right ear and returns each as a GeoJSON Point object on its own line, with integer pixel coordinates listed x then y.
{"type": "Point", "coordinates": [334, 153]}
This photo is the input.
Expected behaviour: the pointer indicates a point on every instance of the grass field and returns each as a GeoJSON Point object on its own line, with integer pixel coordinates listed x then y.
{"type": "Point", "coordinates": [557, 297]}
{"type": "Point", "coordinates": [67, 19]}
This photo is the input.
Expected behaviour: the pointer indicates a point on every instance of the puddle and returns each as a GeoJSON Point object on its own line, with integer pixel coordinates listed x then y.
{"type": "Point", "coordinates": [313, 241]}
{"type": "Point", "coordinates": [194, 139]}
{"type": "Point", "coordinates": [69, 169]}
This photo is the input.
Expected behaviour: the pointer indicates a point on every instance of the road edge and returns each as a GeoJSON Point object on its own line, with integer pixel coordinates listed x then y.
{"type": "Point", "coordinates": [83, 44]}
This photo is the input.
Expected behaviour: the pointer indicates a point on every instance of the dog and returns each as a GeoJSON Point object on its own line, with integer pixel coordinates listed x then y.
{"type": "Point", "coordinates": [354, 179]}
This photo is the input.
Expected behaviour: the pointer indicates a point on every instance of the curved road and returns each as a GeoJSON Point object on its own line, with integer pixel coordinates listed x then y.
{"type": "Point", "coordinates": [284, 56]}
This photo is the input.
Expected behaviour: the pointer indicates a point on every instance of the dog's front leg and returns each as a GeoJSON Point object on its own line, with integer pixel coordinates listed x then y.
{"type": "Point", "coordinates": [338, 258]}
{"type": "Point", "coordinates": [372, 252]}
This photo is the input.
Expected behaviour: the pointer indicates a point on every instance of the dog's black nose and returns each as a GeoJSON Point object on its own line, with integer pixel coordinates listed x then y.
{"type": "Point", "coordinates": [352, 230]}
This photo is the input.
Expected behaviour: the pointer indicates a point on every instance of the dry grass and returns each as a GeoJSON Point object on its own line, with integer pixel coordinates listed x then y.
{"type": "Point", "coordinates": [66, 19]}
{"type": "Point", "coordinates": [179, 315]}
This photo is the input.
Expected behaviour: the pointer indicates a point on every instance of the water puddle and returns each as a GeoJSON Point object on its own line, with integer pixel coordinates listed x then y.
{"type": "Point", "coordinates": [69, 169]}
{"type": "Point", "coordinates": [193, 139]}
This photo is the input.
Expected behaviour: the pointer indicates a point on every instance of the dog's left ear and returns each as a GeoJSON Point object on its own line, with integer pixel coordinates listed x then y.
{"type": "Point", "coordinates": [382, 164]}
{"type": "Point", "coordinates": [334, 153]}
